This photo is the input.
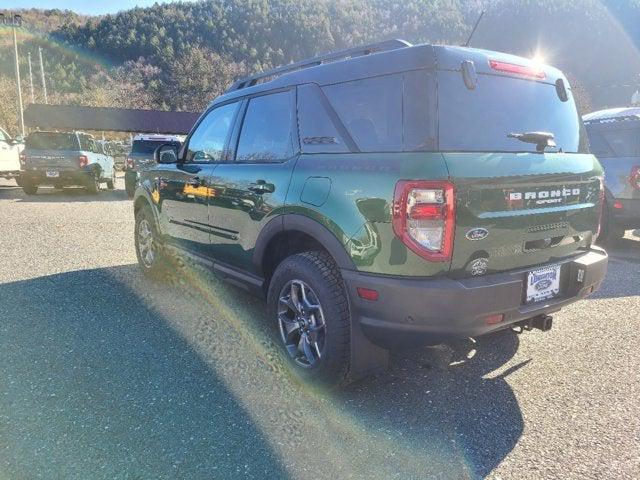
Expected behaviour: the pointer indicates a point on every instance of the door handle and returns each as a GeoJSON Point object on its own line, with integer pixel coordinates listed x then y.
{"type": "Point", "coordinates": [261, 187]}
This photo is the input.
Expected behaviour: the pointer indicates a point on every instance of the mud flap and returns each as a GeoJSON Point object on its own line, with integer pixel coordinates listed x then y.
{"type": "Point", "coordinates": [366, 357]}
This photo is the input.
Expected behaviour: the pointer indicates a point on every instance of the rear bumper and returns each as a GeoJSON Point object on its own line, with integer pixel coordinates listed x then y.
{"type": "Point", "coordinates": [629, 215]}
{"type": "Point", "coordinates": [66, 177]}
{"type": "Point", "coordinates": [416, 312]}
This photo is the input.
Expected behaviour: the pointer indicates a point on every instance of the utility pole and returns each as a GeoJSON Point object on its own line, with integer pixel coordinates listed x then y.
{"type": "Point", "coordinates": [44, 84]}
{"type": "Point", "coordinates": [33, 98]}
{"type": "Point", "coordinates": [15, 22]}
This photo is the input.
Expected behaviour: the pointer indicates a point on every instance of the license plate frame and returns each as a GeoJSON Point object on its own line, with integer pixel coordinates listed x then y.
{"type": "Point", "coordinates": [543, 284]}
{"type": "Point", "coordinates": [52, 174]}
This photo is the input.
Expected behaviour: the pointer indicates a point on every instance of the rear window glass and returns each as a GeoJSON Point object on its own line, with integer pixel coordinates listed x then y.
{"type": "Point", "coordinates": [146, 146]}
{"type": "Point", "coordinates": [480, 119]}
{"type": "Point", "coordinates": [371, 110]}
{"type": "Point", "coordinates": [614, 143]}
{"type": "Point", "coordinates": [52, 141]}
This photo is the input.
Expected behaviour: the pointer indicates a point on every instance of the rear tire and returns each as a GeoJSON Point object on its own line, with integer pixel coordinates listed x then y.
{"type": "Point", "coordinates": [149, 246]}
{"type": "Point", "coordinates": [29, 188]}
{"type": "Point", "coordinates": [610, 233]}
{"type": "Point", "coordinates": [129, 187]}
{"type": "Point", "coordinates": [94, 183]}
{"type": "Point", "coordinates": [321, 319]}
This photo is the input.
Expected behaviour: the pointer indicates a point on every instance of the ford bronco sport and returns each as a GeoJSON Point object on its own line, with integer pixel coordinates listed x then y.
{"type": "Point", "coordinates": [385, 197]}
{"type": "Point", "coordinates": [64, 159]}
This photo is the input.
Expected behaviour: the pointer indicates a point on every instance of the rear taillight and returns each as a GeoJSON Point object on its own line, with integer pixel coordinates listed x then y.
{"type": "Point", "coordinates": [600, 208]}
{"type": "Point", "coordinates": [527, 71]}
{"type": "Point", "coordinates": [83, 161]}
{"type": "Point", "coordinates": [424, 217]}
{"type": "Point", "coordinates": [129, 163]}
{"type": "Point", "coordinates": [634, 177]}
{"type": "Point", "coordinates": [23, 159]}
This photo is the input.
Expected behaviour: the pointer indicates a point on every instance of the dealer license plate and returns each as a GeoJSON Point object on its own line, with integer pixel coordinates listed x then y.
{"type": "Point", "coordinates": [543, 284]}
{"type": "Point", "coordinates": [53, 174]}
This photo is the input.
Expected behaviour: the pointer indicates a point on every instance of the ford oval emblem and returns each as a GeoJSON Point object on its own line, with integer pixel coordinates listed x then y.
{"type": "Point", "coordinates": [542, 284]}
{"type": "Point", "coordinates": [477, 234]}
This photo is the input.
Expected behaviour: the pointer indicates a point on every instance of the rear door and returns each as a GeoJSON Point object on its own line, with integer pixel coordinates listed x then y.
{"type": "Point", "coordinates": [184, 188]}
{"type": "Point", "coordinates": [252, 189]}
{"type": "Point", "coordinates": [516, 207]}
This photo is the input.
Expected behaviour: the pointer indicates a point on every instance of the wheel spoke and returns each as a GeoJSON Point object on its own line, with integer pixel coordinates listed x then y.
{"type": "Point", "coordinates": [306, 348]}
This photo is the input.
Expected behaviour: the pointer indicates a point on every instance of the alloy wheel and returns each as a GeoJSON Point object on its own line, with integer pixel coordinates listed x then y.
{"type": "Point", "coordinates": [302, 323]}
{"type": "Point", "coordinates": [146, 243]}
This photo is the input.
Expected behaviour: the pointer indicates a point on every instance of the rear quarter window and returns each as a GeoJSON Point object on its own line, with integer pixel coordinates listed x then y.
{"type": "Point", "coordinates": [371, 110]}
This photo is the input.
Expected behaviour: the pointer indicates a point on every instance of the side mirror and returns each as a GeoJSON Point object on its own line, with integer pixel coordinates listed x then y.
{"type": "Point", "coordinates": [166, 153]}
{"type": "Point", "coordinates": [15, 141]}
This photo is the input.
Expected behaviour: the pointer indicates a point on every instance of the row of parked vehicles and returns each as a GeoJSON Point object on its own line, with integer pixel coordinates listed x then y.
{"type": "Point", "coordinates": [63, 159]}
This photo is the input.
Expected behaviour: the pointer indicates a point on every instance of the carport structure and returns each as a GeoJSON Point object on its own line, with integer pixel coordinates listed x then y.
{"type": "Point", "coordinates": [67, 117]}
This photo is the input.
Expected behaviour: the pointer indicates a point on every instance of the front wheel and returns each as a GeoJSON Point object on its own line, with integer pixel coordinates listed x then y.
{"type": "Point", "coordinates": [308, 301]}
{"type": "Point", "coordinates": [149, 248]}
{"type": "Point", "coordinates": [111, 183]}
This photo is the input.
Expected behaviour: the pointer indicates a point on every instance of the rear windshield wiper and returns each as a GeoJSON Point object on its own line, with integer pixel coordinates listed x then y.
{"type": "Point", "coordinates": [541, 140]}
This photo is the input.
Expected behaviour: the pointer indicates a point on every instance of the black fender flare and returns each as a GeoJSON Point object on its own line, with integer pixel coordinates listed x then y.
{"type": "Point", "coordinates": [303, 224]}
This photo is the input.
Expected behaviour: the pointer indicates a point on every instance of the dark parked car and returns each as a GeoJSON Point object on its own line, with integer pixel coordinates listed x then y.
{"type": "Point", "coordinates": [385, 197]}
{"type": "Point", "coordinates": [141, 156]}
{"type": "Point", "coordinates": [64, 159]}
{"type": "Point", "coordinates": [615, 139]}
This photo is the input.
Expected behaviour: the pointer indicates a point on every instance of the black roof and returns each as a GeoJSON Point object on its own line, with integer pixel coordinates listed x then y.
{"type": "Point", "coordinates": [368, 61]}
{"type": "Point", "coordinates": [67, 117]}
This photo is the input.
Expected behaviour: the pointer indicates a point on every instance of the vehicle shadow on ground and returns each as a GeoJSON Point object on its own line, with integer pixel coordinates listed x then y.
{"type": "Point", "coordinates": [183, 379]}
{"type": "Point", "coordinates": [71, 194]}
{"type": "Point", "coordinates": [97, 385]}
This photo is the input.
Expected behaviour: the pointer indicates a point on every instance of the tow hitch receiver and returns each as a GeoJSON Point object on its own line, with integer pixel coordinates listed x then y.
{"type": "Point", "coordinates": [541, 322]}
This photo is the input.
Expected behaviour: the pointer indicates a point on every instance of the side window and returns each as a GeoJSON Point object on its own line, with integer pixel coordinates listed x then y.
{"type": "Point", "coordinates": [266, 130]}
{"type": "Point", "coordinates": [207, 142]}
{"type": "Point", "coordinates": [318, 133]}
{"type": "Point", "coordinates": [371, 109]}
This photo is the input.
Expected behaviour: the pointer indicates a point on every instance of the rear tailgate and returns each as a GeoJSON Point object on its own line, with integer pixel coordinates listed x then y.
{"type": "Point", "coordinates": [517, 210]}
{"type": "Point", "coordinates": [516, 206]}
{"type": "Point", "coordinates": [51, 159]}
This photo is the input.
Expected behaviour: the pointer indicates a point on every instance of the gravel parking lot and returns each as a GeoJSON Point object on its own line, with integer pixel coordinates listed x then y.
{"type": "Point", "coordinates": [108, 375]}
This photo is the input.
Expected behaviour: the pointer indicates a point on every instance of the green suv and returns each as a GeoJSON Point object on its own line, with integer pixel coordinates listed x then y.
{"type": "Point", "coordinates": [385, 197]}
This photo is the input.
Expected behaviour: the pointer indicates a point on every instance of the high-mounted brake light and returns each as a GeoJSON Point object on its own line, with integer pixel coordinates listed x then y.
{"type": "Point", "coordinates": [634, 177]}
{"type": "Point", "coordinates": [83, 160]}
{"type": "Point", "coordinates": [527, 71]}
{"type": "Point", "coordinates": [424, 217]}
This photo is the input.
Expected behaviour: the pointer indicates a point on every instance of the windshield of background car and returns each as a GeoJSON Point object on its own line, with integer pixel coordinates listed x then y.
{"type": "Point", "coordinates": [52, 141]}
{"type": "Point", "coordinates": [479, 119]}
{"type": "Point", "coordinates": [146, 146]}
{"type": "Point", "coordinates": [619, 142]}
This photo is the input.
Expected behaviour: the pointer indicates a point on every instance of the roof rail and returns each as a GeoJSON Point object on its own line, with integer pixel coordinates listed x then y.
{"type": "Point", "coordinates": [319, 60]}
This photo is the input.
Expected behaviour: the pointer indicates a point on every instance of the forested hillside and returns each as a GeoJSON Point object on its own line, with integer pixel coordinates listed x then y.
{"type": "Point", "coordinates": [180, 55]}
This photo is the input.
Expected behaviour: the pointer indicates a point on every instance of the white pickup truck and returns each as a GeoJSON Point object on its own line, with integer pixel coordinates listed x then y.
{"type": "Point", "coordinates": [10, 149]}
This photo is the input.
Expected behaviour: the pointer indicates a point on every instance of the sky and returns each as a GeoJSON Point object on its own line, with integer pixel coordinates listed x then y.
{"type": "Point", "coordinates": [82, 6]}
